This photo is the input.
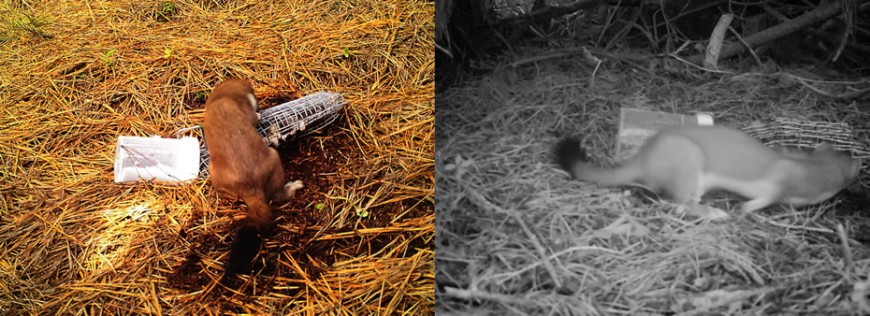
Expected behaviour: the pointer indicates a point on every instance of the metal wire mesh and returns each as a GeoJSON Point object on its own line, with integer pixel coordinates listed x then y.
{"type": "Point", "coordinates": [785, 132]}
{"type": "Point", "coordinates": [289, 121]}
{"type": "Point", "coordinates": [301, 117]}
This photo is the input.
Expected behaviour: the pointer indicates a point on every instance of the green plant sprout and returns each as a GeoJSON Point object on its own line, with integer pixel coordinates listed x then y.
{"type": "Point", "coordinates": [107, 57]}
{"type": "Point", "coordinates": [165, 11]}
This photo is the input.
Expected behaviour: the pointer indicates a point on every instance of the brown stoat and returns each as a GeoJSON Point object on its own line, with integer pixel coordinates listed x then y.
{"type": "Point", "coordinates": [687, 162]}
{"type": "Point", "coordinates": [242, 165]}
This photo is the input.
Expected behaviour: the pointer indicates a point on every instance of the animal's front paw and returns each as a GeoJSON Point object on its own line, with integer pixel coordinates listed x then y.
{"type": "Point", "coordinates": [702, 211]}
{"type": "Point", "coordinates": [291, 187]}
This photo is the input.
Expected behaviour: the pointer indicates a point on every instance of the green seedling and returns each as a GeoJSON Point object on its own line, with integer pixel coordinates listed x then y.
{"type": "Point", "coordinates": [165, 11]}
{"type": "Point", "coordinates": [363, 213]}
{"type": "Point", "coordinates": [107, 57]}
{"type": "Point", "coordinates": [201, 95]}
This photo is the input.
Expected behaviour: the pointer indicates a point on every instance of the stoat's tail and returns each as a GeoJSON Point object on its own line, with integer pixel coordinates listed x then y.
{"type": "Point", "coordinates": [249, 238]}
{"type": "Point", "coordinates": [571, 157]}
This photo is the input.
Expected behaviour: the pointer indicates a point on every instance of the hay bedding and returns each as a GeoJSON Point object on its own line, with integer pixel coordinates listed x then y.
{"type": "Point", "coordinates": [517, 236]}
{"type": "Point", "coordinates": [356, 240]}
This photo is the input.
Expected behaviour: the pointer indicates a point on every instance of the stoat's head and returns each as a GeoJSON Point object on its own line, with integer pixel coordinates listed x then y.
{"type": "Point", "coordinates": [237, 88]}
{"type": "Point", "coordinates": [849, 166]}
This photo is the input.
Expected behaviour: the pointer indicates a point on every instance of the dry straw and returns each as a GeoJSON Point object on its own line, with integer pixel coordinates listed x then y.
{"type": "Point", "coordinates": [78, 74]}
{"type": "Point", "coordinates": [517, 236]}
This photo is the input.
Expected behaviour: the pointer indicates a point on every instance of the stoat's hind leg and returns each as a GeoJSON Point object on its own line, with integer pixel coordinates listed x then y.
{"type": "Point", "coordinates": [685, 187]}
{"type": "Point", "coordinates": [688, 189]}
{"type": "Point", "coordinates": [682, 176]}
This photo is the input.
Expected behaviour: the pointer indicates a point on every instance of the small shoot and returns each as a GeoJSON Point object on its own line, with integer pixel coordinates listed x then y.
{"type": "Point", "coordinates": [165, 11]}
{"type": "Point", "coordinates": [107, 57]}
{"type": "Point", "coordinates": [361, 212]}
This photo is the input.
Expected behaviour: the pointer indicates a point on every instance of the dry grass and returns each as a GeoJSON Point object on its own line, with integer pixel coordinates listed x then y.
{"type": "Point", "coordinates": [76, 75]}
{"type": "Point", "coordinates": [517, 236]}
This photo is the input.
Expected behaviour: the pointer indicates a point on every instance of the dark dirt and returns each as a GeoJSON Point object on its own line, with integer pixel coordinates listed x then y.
{"type": "Point", "coordinates": [318, 160]}
{"type": "Point", "coordinates": [315, 159]}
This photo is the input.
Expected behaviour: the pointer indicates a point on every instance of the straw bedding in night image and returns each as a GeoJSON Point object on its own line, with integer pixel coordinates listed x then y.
{"type": "Point", "coordinates": [596, 159]}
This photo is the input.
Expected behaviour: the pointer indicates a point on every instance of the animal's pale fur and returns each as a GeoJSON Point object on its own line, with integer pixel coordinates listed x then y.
{"type": "Point", "coordinates": [688, 162]}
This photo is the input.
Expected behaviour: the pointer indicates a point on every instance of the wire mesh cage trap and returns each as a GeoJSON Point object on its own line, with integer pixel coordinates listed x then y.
{"type": "Point", "coordinates": [286, 121]}
{"type": "Point", "coordinates": [804, 135]}
{"type": "Point", "coordinates": [783, 132]}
